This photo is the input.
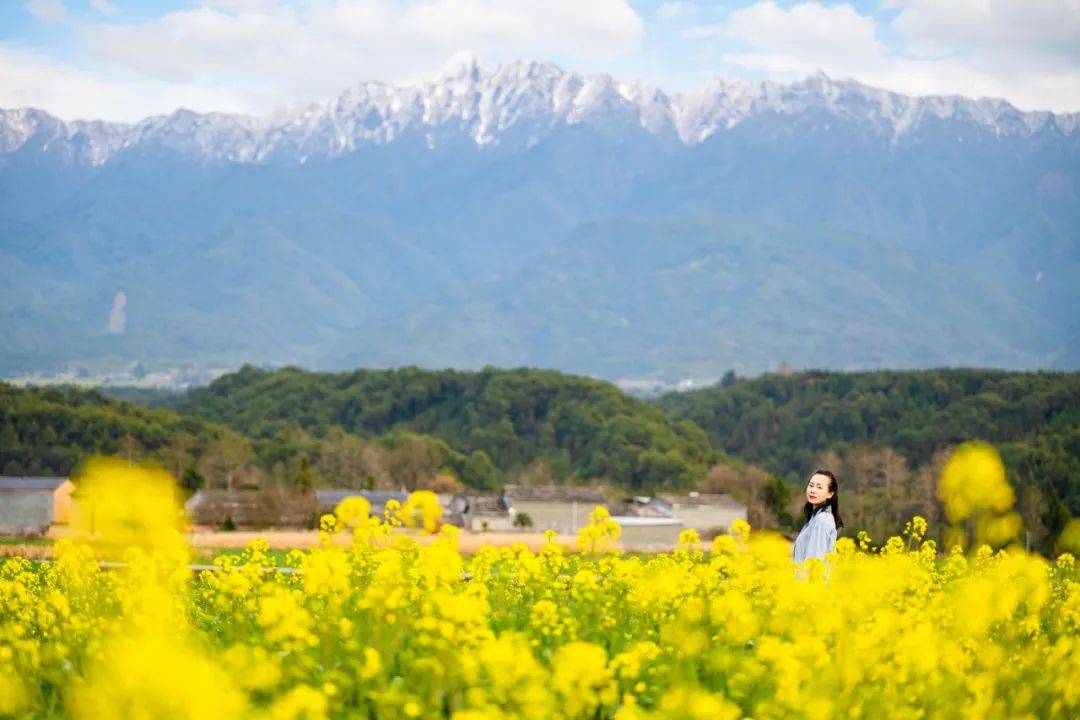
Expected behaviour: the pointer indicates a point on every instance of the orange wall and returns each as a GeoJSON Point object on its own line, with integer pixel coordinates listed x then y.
{"type": "Point", "coordinates": [62, 502]}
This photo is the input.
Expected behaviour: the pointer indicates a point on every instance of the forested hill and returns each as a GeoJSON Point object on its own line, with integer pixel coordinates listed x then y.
{"type": "Point", "coordinates": [48, 431]}
{"type": "Point", "coordinates": [576, 427]}
{"type": "Point", "coordinates": [786, 423]}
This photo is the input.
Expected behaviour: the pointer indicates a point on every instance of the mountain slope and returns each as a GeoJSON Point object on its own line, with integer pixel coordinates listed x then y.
{"type": "Point", "coordinates": [529, 216]}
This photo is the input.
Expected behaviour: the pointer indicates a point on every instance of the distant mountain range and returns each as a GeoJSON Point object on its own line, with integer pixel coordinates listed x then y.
{"type": "Point", "coordinates": [524, 215]}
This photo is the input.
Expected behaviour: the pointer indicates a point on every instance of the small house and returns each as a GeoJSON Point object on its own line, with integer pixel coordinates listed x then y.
{"type": "Point", "coordinates": [479, 512]}
{"type": "Point", "coordinates": [647, 523]}
{"type": "Point", "coordinates": [656, 522]}
{"type": "Point", "coordinates": [709, 514]}
{"type": "Point", "coordinates": [264, 508]}
{"type": "Point", "coordinates": [562, 508]}
{"type": "Point", "coordinates": [329, 499]}
{"type": "Point", "coordinates": [29, 505]}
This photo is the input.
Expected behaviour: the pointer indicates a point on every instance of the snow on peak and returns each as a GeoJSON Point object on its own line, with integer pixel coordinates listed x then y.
{"type": "Point", "coordinates": [460, 65]}
{"type": "Point", "coordinates": [514, 102]}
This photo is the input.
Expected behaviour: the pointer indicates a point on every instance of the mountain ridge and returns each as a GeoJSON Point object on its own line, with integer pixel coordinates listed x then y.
{"type": "Point", "coordinates": [594, 240]}
{"type": "Point", "coordinates": [489, 104]}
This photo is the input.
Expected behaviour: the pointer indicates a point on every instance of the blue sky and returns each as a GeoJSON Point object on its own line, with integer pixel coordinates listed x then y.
{"type": "Point", "coordinates": [125, 59]}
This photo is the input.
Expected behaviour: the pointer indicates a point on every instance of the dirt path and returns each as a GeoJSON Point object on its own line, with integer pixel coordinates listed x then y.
{"type": "Point", "coordinates": [205, 541]}
{"type": "Point", "coordinates": [302, 539]}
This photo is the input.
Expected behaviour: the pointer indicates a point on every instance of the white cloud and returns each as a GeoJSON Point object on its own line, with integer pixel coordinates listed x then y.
{"type": "Point", "coordinates": [676, 9]}
{"type": "Point", "coordinates": [806, 33]}
{"type": "Point", "coordinates": [979, 48]}
{"type": "Point", "coordinates": [104, 7]}
{"type": "Point", "coordinates": [1043, 33]}
{"type": "Point", "coordinates": [48, 10]}
{"type": "Point", "coordinates": [256, 55]}
{"type": "Point", "coordinates": [28, 79]}
{"type": "Point", "coordinates": [282, 53]}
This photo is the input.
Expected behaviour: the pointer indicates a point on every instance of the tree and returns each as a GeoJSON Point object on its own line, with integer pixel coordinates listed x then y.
{"type": "Point", "coordinates": [750, 486]}
{"type": "Point", "coordinates": [9, 439]}
{"type": "Point", "coordinates": [191, 479]}
{"type": "Point", "coordinates": [176, 457]}
{"type": "Point", "coordinates": [305, 476]}
{"type": "Point", "coordinates": [344, 459]}
{"type": "Point", "coordinates": [536, 473]}
{"type": "Point", "coordinates": [412, 461]}
{"type": "Point", "coordinates": [479, 471]}
{"type": "Point", "coordinates": [131, 449]}
{"type": "Point", "coordinates": [223, 459]}
{"type": "Point", "coordinates": [778, 499]}
{"type": "Point", "coordinates": [444, 483]}
{"type": "Point", "coordinates": [925, 501]}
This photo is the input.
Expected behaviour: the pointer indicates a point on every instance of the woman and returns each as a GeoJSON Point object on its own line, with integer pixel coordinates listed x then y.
{"type": "Point", "coordinates": [822, 509]}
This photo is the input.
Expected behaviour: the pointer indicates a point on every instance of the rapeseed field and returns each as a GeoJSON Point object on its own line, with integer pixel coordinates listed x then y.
{"type": "Point", "coordinates": [372, 624]}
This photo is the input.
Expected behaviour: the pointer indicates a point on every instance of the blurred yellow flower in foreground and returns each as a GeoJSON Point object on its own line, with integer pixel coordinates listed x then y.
{"type": "Point", "coordinates": [376, 624]}
{"type": "Point", "coordinates": [973, 480]}
{"type": "Point", "coordinates": [124, 504]}
{"type": "Point", "coordinates": [352, 511]}
{"type": "Point", "coordinates": [149, 676]}
{"type": "Point", "coordinates": [422, 510]}
{"type": "Point", "coordinates": [973, 487]}
{"type": "Point", "coordinates": [1070, 537]}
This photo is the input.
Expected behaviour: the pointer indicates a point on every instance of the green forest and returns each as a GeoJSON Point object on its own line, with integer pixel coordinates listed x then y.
{"type": "Point", "coordinates": [885, 433]}
{"type": "Point", "coordinates": [575, 427]}
{"type": "Point", "coordinates": [379, 428]}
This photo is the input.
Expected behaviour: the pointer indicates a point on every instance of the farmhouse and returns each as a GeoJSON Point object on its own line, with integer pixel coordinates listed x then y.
{"type": "Point", "coordinates": [29, 505]}
{"type": "Point", "coordinates": [707, 513]}
{"type": "Point", "coordinates": [562, 508]}
{"type": "Point", "coordinates": [329, 499]}
{"type": "Point", "coordinates": [655, 522]}
{"type": "Point", "coordinates": [478, 511]}
{"type": "Point", "coordinates": [268, 507]}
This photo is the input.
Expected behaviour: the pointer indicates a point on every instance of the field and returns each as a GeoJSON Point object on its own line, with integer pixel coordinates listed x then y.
{"type": "Point", "coordinates": [375, 624]}
{"type": "Point", "coordinates": [205, 545]}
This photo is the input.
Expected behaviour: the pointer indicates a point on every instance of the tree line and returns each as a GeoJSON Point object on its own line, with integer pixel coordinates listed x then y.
{"type": "Point", "coordinates": [50, 430]}
{"type": "Point", "coordinates": [886, 434]}
{"type": "Point", "coordinates": [572, 428]}
{"type": "Point", "coordinates": [405, 428]}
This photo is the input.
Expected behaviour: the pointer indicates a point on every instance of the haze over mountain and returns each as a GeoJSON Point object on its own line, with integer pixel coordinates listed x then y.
{"type": "Point", "coordinates": [524, 215]}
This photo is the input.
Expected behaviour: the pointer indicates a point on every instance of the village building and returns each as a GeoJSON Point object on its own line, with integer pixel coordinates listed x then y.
{"type": "Point", "coordinates": [478, 512]}
{"type": "Point", "coordinates": [263, 508]}
{"type": "Point", "coordinates": [646, 523]}
{"type": "Point", "coordinates": [707, 513]}
{"type": "Point", "coordinates": [655, 522]}
{"type": "Point", "coordinates": [29, 505]}
{"type": "Point", "coordinates": [329, 499]}
{"type": "Point", "coordinates": [539, 508]}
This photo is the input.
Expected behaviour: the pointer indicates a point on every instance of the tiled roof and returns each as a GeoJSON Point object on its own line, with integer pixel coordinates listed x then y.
{"type": "Point", "coordinates": [10, 483]}
{"type": "Point", "coordinates": [484, 503]}
{"type": "Point", "coordinates": [554, 493]}
{"type": "Point", "coordinates": [701, 500]}
{"type": "Point", "coordinates": [643, 507]}
{"type": "Point", "coordinates": [375, 497]}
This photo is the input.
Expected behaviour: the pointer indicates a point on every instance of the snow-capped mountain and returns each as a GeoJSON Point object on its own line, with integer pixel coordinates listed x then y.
{"type": "Point", "coordinates": [516, 102]}
{"type": "Point", "coordinates": [523, 215]}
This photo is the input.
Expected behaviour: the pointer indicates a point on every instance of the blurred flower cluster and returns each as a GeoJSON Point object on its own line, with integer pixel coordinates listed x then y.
{"type": "Point", "coordinates": [373, 624]}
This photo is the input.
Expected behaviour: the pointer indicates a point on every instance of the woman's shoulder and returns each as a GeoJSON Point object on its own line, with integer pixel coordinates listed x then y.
{"type": "Point", "coordinates": [825, 518]}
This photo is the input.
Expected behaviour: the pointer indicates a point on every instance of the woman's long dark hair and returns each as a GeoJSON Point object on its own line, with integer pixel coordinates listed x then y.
{"type": "Point", "coordinates": [833, 502]}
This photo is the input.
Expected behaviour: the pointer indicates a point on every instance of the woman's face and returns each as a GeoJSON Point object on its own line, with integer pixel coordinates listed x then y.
{"type": "Point", "coordinates": [817, 490]}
